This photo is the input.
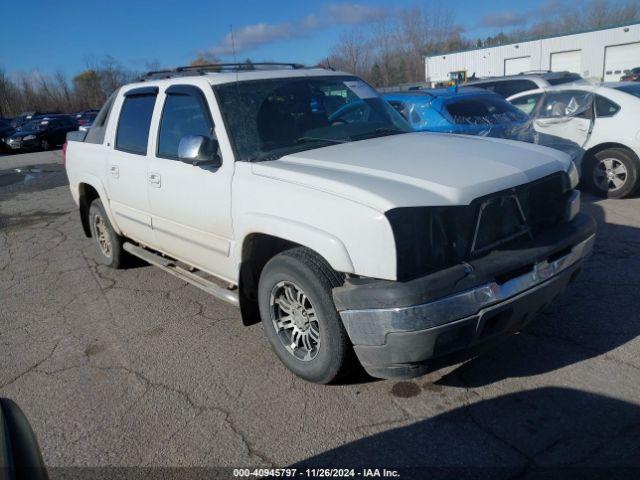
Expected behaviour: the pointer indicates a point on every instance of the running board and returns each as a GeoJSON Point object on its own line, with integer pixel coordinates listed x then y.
{"type": "Point", "coordinates": [170, 266]}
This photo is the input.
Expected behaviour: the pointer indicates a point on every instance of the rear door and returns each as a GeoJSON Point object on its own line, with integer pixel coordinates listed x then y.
{"type": "Point", "coordinates": [190, 205]}
{"type": "Point", "coordinates": [565, 118]}
{"type": "Point", "coordinates": [127, 163]}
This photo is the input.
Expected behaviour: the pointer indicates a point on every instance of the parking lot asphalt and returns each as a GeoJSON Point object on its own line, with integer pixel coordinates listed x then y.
{"type": "Point", "coordinates": [136, 368]}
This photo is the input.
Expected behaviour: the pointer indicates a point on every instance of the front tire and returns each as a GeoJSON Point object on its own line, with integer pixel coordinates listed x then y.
{"type": "Point", "coordinates": [108, 242]}
{"type": "Point", "coordinates": [612, 173]}
{"type": "Point", "coordinates": [44, 145]}
{"type": "Point", "coordinates": [300, 319]}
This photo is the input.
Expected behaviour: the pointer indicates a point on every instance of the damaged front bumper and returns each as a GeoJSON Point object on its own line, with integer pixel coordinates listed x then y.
{"type": "Point", "coordinates": [396, 327]}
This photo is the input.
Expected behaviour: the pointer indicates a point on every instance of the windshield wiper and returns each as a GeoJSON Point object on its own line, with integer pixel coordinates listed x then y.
{"type": "Point", "coordinates": [379, 132]}
{"type": "Point", "coordinates": [318, 139]}
{"type": "Point", "coordinates": [295, 148]}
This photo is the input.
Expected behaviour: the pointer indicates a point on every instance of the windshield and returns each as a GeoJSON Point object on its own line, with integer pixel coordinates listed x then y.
{"type": "Point", "coordinates": [630, 89]}
{"type": "Point", "coordinates": [271, 118]}
{"type": "Point", "coordinates": [484, 111]}
{"type": "Point", "coordinates": [35, 125]}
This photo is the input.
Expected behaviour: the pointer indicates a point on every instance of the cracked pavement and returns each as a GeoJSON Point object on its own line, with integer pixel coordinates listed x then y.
{"type": "Point", "coordinates": [136, 368]}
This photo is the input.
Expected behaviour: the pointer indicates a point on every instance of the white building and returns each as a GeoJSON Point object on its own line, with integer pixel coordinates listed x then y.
{"type": "Point", "coordinates": [597, 55]}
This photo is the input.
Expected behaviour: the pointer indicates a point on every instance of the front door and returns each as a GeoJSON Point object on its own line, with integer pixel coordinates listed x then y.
{"type": "Point", "coordinates": [127, 165]}
{"type": "Point", "coordinates": [190, 205]}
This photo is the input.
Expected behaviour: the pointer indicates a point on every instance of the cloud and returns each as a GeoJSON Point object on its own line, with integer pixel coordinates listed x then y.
{"type": "Point", "coordinates": [253, 36]}
{"type": "Point", "coordinates": [260, 34]}
{"type": "Point", "coordinates": [503, 19]}
{"type": "Point", "coordinates": [511, 18]}
{"type": "Point", "coordinates": [354, 13]}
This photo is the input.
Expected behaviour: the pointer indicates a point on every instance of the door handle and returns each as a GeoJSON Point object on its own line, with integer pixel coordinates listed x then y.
{"type": "Point", "coordinates": [115, 171]}
{"type": "Point", "coordinates": [155, 180]}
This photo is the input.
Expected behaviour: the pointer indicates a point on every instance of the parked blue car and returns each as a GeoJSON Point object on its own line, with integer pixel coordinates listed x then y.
{"type": "Point", "coordinates": [468, 111]}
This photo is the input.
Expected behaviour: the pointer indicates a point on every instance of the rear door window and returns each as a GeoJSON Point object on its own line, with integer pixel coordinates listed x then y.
{"type": "Point", "coordinates": [134, 123]}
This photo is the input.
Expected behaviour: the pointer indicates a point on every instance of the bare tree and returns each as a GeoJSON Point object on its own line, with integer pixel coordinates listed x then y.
{"type": "Point", "coordinates": [352, 53]}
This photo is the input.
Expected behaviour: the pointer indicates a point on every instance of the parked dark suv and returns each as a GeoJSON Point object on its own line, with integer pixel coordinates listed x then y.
{"type": "Point", "coordinates": [512, 84]}
{"type": "Point", "coordinates": [42, 133]}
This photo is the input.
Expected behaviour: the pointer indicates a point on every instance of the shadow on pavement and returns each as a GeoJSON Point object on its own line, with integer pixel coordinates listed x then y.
{"type": "Point", "coordinates": [541, 433]}
{"type": "Point", "coordinates": [597, 314]}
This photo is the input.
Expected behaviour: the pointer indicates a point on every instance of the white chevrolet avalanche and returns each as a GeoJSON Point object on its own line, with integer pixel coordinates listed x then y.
{"type": "Point", "coordinates": [349, 237]}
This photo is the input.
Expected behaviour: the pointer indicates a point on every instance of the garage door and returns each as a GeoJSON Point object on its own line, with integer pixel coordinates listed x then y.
{"type": "Point", "coordinates": [567, 61]}
{"type": "Point", "coordinates": [513, 66]}
{"type": "Point", "coordinates": [619, 58]}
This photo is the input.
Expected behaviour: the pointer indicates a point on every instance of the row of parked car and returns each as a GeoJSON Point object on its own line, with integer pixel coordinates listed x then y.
{"type": "Point", "coordinates": [41, 130]}
{"type": "Point", "coordinates": [597, 124]}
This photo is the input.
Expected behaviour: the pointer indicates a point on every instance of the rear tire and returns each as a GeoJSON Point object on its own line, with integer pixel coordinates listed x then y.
{"type": "Point", "coordinates": [612, 173]}
{"type": "Point", "coordinates": [108, 242]}
{"type": "Point", "coordinates": [300, 319]}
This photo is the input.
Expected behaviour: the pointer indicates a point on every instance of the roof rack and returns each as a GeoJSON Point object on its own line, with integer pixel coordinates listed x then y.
{"type": "Point", "coordinates": [534, 72]}
{"type": "Point", "coordinates": [217, 68]}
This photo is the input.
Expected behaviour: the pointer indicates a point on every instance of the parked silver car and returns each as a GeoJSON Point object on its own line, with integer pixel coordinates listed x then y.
{"type": "Point", "coordinates": [512, 84]}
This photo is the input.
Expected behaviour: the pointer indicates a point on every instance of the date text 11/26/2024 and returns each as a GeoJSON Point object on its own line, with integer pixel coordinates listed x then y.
{"type": "Point", "coordinates": [316, 472]}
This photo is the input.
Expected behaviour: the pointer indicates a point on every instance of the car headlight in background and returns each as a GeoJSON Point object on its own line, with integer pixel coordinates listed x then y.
{"type": "Point", "coordinates": [29, 137]}
{"type": "Point", "coordinates": [574, 177]}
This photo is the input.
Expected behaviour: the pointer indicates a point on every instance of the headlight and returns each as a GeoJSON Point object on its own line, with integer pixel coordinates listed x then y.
{"type": "Point", "coordinates": [574, 177]}
{"type": "Point", "coordinates": [29, 137]}
{"type": "Point", "coordinates": [429, 238]}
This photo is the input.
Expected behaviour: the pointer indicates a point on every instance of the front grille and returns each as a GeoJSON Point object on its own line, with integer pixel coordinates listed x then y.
{"type": "Point", "coordinates": [432, 238]}
{"type": "Point", "coordinates": [520, 212]}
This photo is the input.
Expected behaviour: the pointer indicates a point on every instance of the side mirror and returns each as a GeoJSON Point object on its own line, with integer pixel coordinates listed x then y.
{"type": "Point", "coordinates": [199, 151]}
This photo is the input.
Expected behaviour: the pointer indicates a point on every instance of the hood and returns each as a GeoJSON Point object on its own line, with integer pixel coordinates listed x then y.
{"type": "Point", "coordinates": [24, 133]}
{"type": "Point", "coordinates": [416, 169]}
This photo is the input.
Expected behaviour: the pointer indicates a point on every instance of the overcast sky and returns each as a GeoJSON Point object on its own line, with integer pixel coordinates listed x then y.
{"type": "Point", "coordinates": [63, 35]}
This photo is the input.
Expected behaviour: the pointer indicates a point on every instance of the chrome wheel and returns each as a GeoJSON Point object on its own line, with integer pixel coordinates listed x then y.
{"type": "Point", "coordinates": [102, 235]}
{"type": "Point", "coordinates": [294, 320]}
{"type": "Point", "coordinates": [44, 144]}
{"type": "Point", "coordinates": [610, 174]}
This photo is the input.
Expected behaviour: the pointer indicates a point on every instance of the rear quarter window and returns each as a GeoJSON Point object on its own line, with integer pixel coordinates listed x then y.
{"type": "Point", "coordinates": [605, 107]}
